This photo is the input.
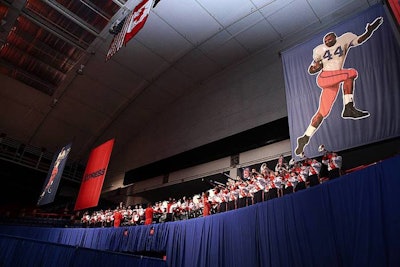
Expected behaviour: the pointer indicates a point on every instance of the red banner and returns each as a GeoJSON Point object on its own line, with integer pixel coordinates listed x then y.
{"type": "Point", "coordinates": [395, 7]}
{"type": "Point", "coordinates": [93, 178]}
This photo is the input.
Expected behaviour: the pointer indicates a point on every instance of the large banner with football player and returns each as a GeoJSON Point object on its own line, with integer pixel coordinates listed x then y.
{"type": "Point", "coordinates": [54, 176]}
{"type": "Point", "coordinates": [93, 178]}
{"type": "Point", "coordinates": [343, 85]}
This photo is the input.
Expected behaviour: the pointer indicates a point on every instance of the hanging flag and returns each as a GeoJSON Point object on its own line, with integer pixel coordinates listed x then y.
{"type": "Point", "coordinates": [140, 14]}
{"type": "Point", "coordinates": [132, 24]}
{"type": "Point", "coordinates": [54, 176]}
{"type": "Point", "coordinates": [93, 178]}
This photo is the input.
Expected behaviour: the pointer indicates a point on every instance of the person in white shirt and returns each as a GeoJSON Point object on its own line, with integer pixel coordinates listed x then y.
{"type": "Point", "coordinates": [334, 164]}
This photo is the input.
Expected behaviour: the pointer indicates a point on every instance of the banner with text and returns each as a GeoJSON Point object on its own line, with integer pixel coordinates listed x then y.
{"type": "Point", "coordinates": [93, 178]}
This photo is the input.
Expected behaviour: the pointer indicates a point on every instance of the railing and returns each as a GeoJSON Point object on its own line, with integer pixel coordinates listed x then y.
{"type": "Point", "coordinates": [35, 158]}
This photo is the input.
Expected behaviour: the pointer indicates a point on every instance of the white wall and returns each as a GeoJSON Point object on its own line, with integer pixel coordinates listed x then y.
{"type": "Point", "coordinates": [245, 96]}
{"type": "Point", "coordinates": [265, 153]}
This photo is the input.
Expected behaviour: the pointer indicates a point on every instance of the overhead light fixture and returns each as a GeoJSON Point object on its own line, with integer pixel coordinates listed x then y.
{"type": "Point", "coordinates": [80, 70]}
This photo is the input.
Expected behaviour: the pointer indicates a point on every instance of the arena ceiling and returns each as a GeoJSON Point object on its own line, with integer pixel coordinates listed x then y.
{"type": "Point", "coordinates": [57, 49]}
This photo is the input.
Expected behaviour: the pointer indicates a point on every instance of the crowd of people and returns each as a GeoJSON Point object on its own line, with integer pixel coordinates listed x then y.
{"type": "Point", "coordinates": [247, 189]}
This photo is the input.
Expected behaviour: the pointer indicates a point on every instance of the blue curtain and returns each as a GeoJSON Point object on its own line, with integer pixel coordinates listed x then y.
{"type": "Point", "coordinates": [353, 220]}
{"type": "Point", "coordinates": [17, 252]}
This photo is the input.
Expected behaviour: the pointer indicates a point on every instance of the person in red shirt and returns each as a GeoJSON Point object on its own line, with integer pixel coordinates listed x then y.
{"type": "Point", "coordinates": [206, 204]}
{"type": "Point", "coordinates": [148, 213]}
{"type": "Point", "coordinates": [117, 217]}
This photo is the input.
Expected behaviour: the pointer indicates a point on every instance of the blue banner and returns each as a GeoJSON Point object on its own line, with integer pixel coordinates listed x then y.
{"type": "Point", "coordinates": [54, 176]}
{"type": "Point", "coordinates": [343, 86]}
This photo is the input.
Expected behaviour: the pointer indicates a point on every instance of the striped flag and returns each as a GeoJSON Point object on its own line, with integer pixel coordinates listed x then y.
{"type": "Point", "coordinates": [133, 23]}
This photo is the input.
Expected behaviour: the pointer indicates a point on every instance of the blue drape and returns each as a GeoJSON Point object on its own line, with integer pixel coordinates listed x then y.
{"type": "Point", "coordinates": [353, 220]}
{"type": "Point", "coordinates": [18, 252]}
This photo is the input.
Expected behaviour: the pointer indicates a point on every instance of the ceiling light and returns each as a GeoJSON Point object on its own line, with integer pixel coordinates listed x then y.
{"type": "Point", "coordinates": [80, 70]}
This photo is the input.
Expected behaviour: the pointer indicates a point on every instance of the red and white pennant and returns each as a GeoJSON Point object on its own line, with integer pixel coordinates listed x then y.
{"type": "Point", "coordinates": [134, 22]}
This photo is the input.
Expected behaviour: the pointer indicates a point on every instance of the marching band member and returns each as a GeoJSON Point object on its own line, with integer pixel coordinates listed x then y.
{"type": "Point", "coordinates": [291, 183]}
{"type": "Point", "coordinates": [129, 212]}
{"type": "Point", "coordinates": [85, 219]}
{"type": "Point", "coordinates": [215, 201]}
{"type": "Point", "coordinates": [243, 194]}
{"type": "Point", "coordinates": [102, 218]}
{"type": "Point", "coordinates": [177, 210]}
{"type": "Point", "coordinates": [252, 189]}
{"type": "Point", "coordinates": [302, 176]}
{"type": "Point", "coordinates": [109, 217]}
{"type": "Point", "coordinates": [163, 207]}
{"type": "Point", "coordinates": [264, 170]}
{"type": "Point", "coordinates": [93, 219]}
{"type": "Point", "coordinates": [124, 213]}
{"type": "Point", "coordinates": [191, 208]}
{"type": "Point", "coordinates": [149, 212]}
{"type": "Point", "coordinates": [334, 163]}
{"type": "Point", "coordinates": [117, 217]}
{"type": "Point", "coordinates": [198, 206]}
{"type": "Point", "coordinates": [135, 218]}
{"type": "Point", "coordinates": [157, 212]}
{"type": "Point", "coordinates": [279, 183]}
{"type": "Point", "coordinates": [281, 164]}
{"type": "Point", "coordinates": [246, 174]}
{"type": "Point", "coordinates": [247, 195]}
{"type": "Point", "coordinates": [313, 172]}
{"type": "Point", "coordinates": [233, 196]}
{"type": "Point", "coordinates": [185, 209]}
{"type": "Point", "coordinates": [224, 198]}
{"type": "Point", "coordinates": [170, 212]}
{"type": "Point", "coordinates": [272, 190]}
{"type": "Point", "coordinates": [140, 212]}
{"type": "Point", "coordinates": [260, 184]}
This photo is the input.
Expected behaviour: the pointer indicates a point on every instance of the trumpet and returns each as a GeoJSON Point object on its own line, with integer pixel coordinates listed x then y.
{"type": "Point", "coordinates": [263, 167]}
{"type": "Point", "coordinates": [322, 148]}
{"type": "Point", "coordinates": [229, 177]}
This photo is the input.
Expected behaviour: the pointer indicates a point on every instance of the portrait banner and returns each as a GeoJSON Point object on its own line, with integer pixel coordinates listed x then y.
{"type": "Point", "coordinates": [343, 86]}
{"type": "Point", "coordinates": [54, 176]}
